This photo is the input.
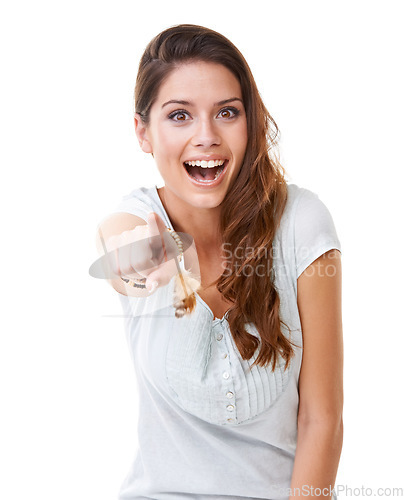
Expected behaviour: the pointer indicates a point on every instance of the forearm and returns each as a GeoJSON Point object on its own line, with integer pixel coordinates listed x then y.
{"type": "Point", "coordinates": [316, 462]}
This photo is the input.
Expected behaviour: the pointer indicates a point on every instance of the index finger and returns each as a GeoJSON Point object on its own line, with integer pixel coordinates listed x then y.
{"type": "Point", "coordinates": [157, 228]}
{"type": "Point", "coordinates": [156, 224]}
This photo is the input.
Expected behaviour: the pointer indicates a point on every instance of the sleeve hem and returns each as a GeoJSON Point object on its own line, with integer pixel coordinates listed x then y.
{"type": "Point", "coordinates": [320, 250]}
{"type": "Point", "coordinates": [138, 212]}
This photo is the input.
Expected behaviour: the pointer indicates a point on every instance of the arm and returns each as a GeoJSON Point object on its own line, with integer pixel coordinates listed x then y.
{"type": "Point", "coordinates": [113, 226]}
{"type": "Point", "coordinates": [320, 426]}
{"type": "Point", "coordinates": [142, 249]}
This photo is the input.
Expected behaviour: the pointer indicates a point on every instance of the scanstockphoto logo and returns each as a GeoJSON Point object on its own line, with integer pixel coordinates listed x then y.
{"type": "Point", "coordinates": [343, 491]}
{"type": "Point", "coordinates": [261, 261]}
{"type": "Point", "coordinates": [276, 263]}
{"type": "Point", "coordinates": [240, 256]}
{"type": "Point", "coordinates": [362, 491]}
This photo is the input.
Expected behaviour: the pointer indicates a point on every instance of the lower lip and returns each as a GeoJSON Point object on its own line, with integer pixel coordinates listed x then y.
{"type": "Point", "coordinates": [208, 184]}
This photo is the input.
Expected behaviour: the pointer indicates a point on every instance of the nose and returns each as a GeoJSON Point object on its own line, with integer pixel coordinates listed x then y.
{"type": "Point", "coordinates": [206, 134]}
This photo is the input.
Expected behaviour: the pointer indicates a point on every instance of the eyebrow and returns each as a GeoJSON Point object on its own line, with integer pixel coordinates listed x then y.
{"type": "Point", "coordinates": [188, 103]}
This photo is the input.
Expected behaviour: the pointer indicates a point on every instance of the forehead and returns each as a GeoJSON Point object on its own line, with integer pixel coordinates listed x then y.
{"type": "Point", "coordinates": [200, 80]}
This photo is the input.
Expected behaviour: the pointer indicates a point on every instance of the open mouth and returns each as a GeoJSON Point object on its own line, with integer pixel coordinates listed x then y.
{"type": "Point", "coordinates": [205, 171]}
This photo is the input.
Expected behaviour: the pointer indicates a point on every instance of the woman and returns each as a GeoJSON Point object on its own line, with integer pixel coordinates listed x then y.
{"type": "Point", "coordinates": [230, 404]}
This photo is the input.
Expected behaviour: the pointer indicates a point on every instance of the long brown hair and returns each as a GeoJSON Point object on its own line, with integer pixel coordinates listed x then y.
{"type": "Point", "coordinates": [252, 209]}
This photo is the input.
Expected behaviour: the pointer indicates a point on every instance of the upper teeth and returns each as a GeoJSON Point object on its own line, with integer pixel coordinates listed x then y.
{"type": "Point", "coordinates": [205, 164]}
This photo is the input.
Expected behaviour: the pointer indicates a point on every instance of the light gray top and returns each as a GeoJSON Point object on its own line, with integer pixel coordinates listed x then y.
{"type": "Point", "coordinates": [210, 428]}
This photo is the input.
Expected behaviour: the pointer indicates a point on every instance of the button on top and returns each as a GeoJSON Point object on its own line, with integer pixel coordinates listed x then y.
{"type": "Point", "coordinates": [230, 395]}
{"type": "Point", "coordinates": [226, 375]}
{"type": "Point", "coordinates": [219, 337]}
{"type": "Point", "coordinates": [224, 355]}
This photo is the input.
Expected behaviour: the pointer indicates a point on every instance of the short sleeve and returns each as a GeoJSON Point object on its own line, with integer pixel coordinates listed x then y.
{"type": "Point", "coordinates": [314, 230]}
{"type": "Point", "coordinates": [133, 204]}
{"type": "Point", "coordinates": [141, 202]}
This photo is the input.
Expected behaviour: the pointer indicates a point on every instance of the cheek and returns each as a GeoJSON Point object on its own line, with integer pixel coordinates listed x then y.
{"type": "Point", "coordinates": [170, 139]}
{"type": "Point", "coordinates": [241, 139]}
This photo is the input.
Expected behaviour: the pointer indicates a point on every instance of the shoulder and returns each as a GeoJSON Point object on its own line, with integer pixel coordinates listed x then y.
{"type": "Point", "coordinates": [307, 228]}
{"type": "Point", "coordinates": [301, 199]}
{"type": "Point", "coordinates": [140, 202]}
{"type": "Point", "coordinates": [139, 196]}
{"type": "Point", "coordinates": [301, 206]}
{"type": "Point", "coordinates": [142, 193]}
{"type": "Point", "coordinates": [305, 207]}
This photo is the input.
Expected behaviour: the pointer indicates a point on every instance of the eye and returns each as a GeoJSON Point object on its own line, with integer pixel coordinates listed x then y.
{"type": "Point", "coordinates": [178, 116]}
{"type": "Point", "coordinates": [228, 112]}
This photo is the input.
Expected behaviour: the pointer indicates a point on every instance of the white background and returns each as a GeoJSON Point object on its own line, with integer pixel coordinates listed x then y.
{"type": "Point", "coordinates": [331, 75]}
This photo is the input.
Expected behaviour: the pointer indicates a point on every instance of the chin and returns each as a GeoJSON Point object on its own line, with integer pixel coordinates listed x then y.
{"type": "Point", "coordinates": [205, 201]}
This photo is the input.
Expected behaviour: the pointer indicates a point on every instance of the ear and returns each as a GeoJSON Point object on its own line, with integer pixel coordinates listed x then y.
{"type": "Point", "coordinates": [142, 135]}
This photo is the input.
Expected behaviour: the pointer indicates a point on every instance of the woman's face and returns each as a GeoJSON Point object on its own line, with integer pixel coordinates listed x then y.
{"type": "Point", "coordinates": [197, 133]}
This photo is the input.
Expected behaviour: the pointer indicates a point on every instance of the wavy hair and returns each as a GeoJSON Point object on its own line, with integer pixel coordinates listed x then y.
{"type": "Point", "coordinates": [253, 207]}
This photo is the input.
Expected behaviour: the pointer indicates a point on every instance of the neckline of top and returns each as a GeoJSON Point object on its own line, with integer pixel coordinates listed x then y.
{"type": "Point", "coordinates": [198, 297]}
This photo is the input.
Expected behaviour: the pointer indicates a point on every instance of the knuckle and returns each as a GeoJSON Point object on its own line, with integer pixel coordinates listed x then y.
{"type": "Point", "coordinates": [126, 266]}
{"type": "Point", "coordinates": [139, 230]}
{"type": "Point", "coordinates": [136, 264]}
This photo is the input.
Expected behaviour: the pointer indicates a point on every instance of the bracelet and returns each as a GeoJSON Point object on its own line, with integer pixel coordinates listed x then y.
{"type": "Point", "coordinates": [140, 283]}
{"type": "Point", "coordinates": [177, 240]}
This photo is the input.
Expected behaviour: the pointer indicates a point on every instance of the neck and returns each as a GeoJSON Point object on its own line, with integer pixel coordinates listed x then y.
{"type": "Point", "coordinates": [201, 223]}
